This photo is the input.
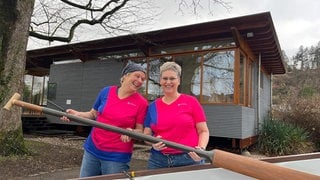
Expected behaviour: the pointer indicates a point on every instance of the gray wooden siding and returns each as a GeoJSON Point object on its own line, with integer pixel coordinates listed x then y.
{"type": "Point", "coordinates": [230, 121]}
{"type": "Point", "coordinates": [80, 83]}
{"type": "Point", "coordinates": [265, 97]}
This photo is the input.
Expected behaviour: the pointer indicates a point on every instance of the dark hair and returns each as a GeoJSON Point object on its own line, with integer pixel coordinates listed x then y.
{"type": "Point", "coordinates": [132, 67]}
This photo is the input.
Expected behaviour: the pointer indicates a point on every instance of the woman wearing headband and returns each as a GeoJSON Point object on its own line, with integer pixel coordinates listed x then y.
{"type": "Point", "coordinates": [106, 152]}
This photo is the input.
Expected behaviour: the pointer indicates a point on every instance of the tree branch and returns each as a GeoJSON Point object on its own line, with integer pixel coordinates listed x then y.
{"type": "Point", "coordinates": [58, 20]}
{"type": "Point", "coordinates": [87, 7]}
{"type": "Point", "coordinates": [79, 22]}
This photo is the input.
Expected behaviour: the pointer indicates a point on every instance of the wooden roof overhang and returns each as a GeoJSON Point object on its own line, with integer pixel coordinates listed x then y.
{"type": "Point", "coordinates": [257, 30]}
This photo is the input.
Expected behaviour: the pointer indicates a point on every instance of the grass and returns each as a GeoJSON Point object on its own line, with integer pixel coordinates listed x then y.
{"type": "Point", "coordinates": [33, 148]}
{"type": "Point", "coordinates": [41, 157]}
{"type": "Point", "coordinates": [281, 138]}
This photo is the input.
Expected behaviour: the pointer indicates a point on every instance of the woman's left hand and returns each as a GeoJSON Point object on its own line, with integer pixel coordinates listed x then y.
{"type": "Point", "coordinates": [125, 138]}
{"type": "Point", "coordinates": [195, 156]}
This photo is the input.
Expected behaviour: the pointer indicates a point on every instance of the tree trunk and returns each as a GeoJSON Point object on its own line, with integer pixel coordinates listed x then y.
{"type": "Point", "coordinates": [15, 16]}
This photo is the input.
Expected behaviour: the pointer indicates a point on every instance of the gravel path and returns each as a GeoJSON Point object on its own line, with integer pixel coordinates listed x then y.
{"type": "Point", "coordinates": [139, 157]}
{"type": "Point", "coordinates": [141, 151]}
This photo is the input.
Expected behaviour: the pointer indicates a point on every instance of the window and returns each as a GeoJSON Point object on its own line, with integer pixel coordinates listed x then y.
{"type": "Point", "coordinates": [213, 76]}
{"type": "Point", "coordinates": [35, 89]}
{"type": "Point", "coordinates": [52, 91]}
{"type": "Point", "coordinates": [249, 84]}
{"type": "Point", "coordinates": [217, 77]}
{"type": "Point", "coordinates": [242, 78]}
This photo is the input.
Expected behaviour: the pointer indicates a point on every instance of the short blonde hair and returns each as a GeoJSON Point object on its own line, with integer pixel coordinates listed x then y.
{"type": "Point", "coordinates": [171, 66]}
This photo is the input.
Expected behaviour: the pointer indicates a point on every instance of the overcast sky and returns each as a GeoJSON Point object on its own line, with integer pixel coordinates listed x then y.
{"type": "Point", "coordinates": [297, 22]}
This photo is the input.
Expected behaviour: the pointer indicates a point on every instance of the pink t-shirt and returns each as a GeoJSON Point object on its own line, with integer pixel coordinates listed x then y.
{"type": "Point", "coordinates": [177, 121]}
{"type": "Point", "coordinates": [123, 113]}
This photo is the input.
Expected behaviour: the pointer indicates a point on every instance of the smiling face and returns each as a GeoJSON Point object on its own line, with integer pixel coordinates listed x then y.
{"type": "Point", "coordinates": [134, 80]}
{"type": "Point", "coordinates": [169, 81]}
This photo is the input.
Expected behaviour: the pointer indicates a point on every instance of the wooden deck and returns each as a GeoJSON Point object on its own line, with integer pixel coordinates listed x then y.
{"type": "Point", "coordinates": [308, 163]}
{"type": "Point", "coordinates": [34, 121]}
{"type": "Point", "coordinates": [30, 113]}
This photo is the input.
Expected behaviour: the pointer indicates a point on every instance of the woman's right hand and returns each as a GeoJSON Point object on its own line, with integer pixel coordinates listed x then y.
{"type": "Point", "coordinates": [159, 145]}
{"type": "Point", "coordinates": [69, 111]}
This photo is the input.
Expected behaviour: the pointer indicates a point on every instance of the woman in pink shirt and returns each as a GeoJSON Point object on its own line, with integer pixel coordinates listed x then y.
{"type": "Point", "coordinates": [107, 152]}
{"type": "Point", "coordinates": [178, 118]}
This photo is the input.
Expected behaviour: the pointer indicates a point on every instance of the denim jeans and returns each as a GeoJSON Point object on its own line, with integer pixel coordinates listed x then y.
{"type": "Point", "coordinates": [92, 166]}
{"type": "Point", "coordinates": [159, 160]}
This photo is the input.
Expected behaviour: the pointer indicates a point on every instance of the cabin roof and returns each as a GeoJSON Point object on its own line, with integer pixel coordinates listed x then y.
{"type": "Point", "coordinates": [264, 42]}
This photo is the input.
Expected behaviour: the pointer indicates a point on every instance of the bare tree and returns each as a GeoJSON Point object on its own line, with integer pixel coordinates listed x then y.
{"type": "Point", "coordinates": [315, 55]}
{"type": "Point", "coordinates": [197, 5]}
{"type": "Point", "coordinates": [301, 58]}
{"type": "Point", "coordinates": [54, 20]}
{"type": "Point", "coordinates": [14, 23]}
{"type": "Point", "coordinates": [59, 20]}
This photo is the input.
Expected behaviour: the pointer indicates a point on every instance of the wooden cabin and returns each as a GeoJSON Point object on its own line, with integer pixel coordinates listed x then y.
{"type": "Point", "coordinates": [227, 64]}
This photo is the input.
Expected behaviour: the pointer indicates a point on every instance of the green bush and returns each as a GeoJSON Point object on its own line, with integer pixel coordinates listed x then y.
{"type": "Point", "coordinates": [281, 138]}
{"type": "Point", "coordinates": [307, 92]}
{"type": "Point", "coordinates": [305, 113]}
{"type": "Point", "coordinates": [12, 143]}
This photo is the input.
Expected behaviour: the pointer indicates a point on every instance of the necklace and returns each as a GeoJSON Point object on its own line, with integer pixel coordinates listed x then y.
{"type": "Point", "coordinates": [169, 100]}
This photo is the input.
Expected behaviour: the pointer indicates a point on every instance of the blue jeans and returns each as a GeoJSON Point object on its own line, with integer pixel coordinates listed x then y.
{"type": "Point", "coordinates": [92, 166]}
{"type": "Point", "coordinates": [159, 160]}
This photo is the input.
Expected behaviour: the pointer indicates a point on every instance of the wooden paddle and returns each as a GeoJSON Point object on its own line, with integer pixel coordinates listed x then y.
{"type": "Point", "coordinates": [237, 163]}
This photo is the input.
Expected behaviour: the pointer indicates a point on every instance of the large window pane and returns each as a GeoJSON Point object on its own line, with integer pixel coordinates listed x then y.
{"type": "Point", "coordinates": [242, 78]}
{"type": "Point", "coordinates": [35, 90]}
{"type": "Point", "coordinates": [218, 77]}
{"type": "Point", "coordinates": [249, 85]}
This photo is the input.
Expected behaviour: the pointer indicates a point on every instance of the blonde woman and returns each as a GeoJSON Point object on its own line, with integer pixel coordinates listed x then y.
{"type": "Point", "coordinates": [178, 118]}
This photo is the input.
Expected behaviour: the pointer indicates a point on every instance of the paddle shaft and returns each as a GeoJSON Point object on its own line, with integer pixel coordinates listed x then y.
{"type": "Point", "coordinates": [241, 164]}
{"type": "Point", "coordinates": [206, 154]}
